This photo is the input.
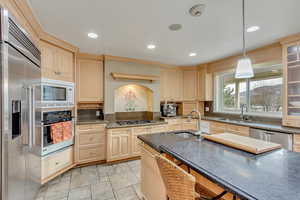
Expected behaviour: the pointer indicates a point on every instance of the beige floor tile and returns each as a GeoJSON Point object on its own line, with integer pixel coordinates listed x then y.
{"type": "Point", "coordinates": [84, 180]}
{"type": "Point", "coordinates": [89, 169]}
{"type": "Point", "coordinates": [81, 193]}
{"type": "Point", "coordinates": [120, 181]}
{"type": "Point", "coordinates": [127, 193]}
{"type": "Point", "coordinates": [102, 191]}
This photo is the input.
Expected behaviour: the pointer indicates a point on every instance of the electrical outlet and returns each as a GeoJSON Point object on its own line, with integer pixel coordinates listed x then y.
{"type": "Point", "coordinates": [206, 109]}
{"type": "Point", "coordinates": [97, 113]}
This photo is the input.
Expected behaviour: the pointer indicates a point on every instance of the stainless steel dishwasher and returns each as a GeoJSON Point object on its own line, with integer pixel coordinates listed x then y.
{"type": "Point", "coordinates": [285, 139]}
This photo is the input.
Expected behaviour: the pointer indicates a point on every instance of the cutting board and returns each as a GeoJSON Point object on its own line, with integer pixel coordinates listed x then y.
{"type": "Point", "coordinates": [243, 143]}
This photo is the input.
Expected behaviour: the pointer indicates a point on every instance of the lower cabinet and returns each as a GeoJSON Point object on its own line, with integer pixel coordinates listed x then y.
{"type": "Point", "coordinates": [123, 143]}
{"type": "Point", "coordinates": [56, 163]}
{"type": "Point", "coordinates": [296, 146]}
{"type": "Point", "coordinates": [118, 144]}
{"type": "Point", "coordinates": [179, 124]}
{"type": "Point", "coordinates": [152, 185]}
{"type": "Point", "coordinates": [218, 127]}
{"type": "Point", "coordinates": [90, 143]}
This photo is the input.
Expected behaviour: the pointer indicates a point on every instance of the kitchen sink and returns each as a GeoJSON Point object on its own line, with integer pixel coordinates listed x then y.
{"type": "Point", "coordinates": [184, 134]}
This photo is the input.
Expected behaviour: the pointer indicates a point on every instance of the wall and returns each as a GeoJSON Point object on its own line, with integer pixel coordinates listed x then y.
{"type": "Point", "coordinates": [133, 98]}
{"type": "Point", "coordinates": [110, 85]}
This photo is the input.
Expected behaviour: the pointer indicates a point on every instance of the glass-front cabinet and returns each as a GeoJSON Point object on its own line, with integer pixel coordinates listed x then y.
{"type": "Point", "coordinates": [291, 74]}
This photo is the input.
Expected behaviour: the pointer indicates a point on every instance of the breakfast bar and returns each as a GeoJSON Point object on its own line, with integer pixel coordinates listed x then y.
{"type": "Point", "coordinates": [269, 176]}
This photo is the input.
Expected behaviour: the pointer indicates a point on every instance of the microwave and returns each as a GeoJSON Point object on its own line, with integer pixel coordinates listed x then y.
{"type": "Point", "coordinates": [56, 93]}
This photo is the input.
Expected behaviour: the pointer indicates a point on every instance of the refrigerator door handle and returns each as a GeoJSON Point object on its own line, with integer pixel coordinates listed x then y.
{"type": "Point", "coordinates": [33, 124]}
{"type": "Point", "coordinates": [29, 89]}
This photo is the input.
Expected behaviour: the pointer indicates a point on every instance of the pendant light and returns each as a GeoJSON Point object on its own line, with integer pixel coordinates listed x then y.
{"type": "Point", "coordinates": [244, 67]}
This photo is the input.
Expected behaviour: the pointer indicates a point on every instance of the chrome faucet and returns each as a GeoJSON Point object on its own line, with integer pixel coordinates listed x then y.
{"type": "Point", "coordinates": [199, 119]}
{"type": "Point", "coordinates": [243, 117]}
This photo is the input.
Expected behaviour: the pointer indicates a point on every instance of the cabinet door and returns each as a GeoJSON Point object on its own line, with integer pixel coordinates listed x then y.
{"type": "Point", "coordinates": [205, 85]}
{"type": "Point", "coordinates": [65, 65]}
{"type": "Point", "coordinates": [57, 63]}
{"type": "Point", "coordinates": [152, 185]}
{"type": "Point", "coordinates": [119, 144]}
{"type": "Point", "coordinates": [48, 54]}
{"type": "Point", "coordinates": [190, 85]}
{"type": "Point", "coordinates": [90, 81]}
{"type": "Point", "coordinates": [136, 151]}
{"type": "Point", "coordinates": [171, 85]}
{"type": "Point", "coordinates": [291, 74]}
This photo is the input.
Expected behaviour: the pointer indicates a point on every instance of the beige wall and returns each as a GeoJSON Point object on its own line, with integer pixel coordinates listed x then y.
{"type": "Point", "coordinates": [129, 68]}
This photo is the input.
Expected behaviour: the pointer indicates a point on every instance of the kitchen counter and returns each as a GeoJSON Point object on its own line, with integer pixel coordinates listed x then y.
{"type": "Point", "coordinates": [269, 176]}
{"type": "Point", "coordinates": [83, 122]}
{"type": "Point", "coordinates": [112, 125]}
{"type": "Point", "coordinates": [264, 126]}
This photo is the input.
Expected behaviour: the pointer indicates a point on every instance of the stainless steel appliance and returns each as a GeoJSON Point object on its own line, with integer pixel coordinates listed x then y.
{"type": "Point", "coordinates": [286, 140]}
{"type": "Point", "coordinates": [49, 119]}
{"type": "Point", "coordinates": [20, 120]}
{"type": "Point", "coordinates": [56, 94]}
{"type": "Point", "coordinates": [133, 122]}
{"type": "Point", "coordinates": [168, 109]}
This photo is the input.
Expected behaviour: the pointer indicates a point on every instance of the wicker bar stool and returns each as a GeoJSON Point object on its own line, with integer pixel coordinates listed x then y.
{"type": "Point", "coordinates": [179, 184]}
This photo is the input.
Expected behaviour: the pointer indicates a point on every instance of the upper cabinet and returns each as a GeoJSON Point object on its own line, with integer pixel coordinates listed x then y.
{"type": "Point", "coordinates": [190, 85]}
{"type": "Point", "coordinates": [89, 80]}
{"type": "Point", "coordinates": [291, 74]}
{"type": "Point", "coordinates": [57, 63]}
{"type": "Point", "coordinates": [205, 85]}
{"type": "Point", "coordinates": [171, 85]}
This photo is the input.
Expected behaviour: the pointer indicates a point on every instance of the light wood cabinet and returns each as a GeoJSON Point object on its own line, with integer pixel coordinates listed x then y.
{"type": "Point", "coordinates": [135, 141]}
{"type": "Point", "coordinates": [291, 76]}
{"type": "Point", "coordinates": [90, 143]}
{"type": "Point", "coordinates": [89, 80]}
{"type": "Point", "coordinates": [152, 185]}
{"type": "Point", "coordinates": [296, 143]}
{"type": "Point", "coordinates": [189, 106]}
{"type": "Point", "coordinates": [57, 63]}
{"type": "Point", "coordinates": [119, 144]}
{"type": "Point", "coordinates": [171, 85]}
{"type": "Point", "coordinates": [218, 127]}
{"type": "Point", "coordinates": [190, 124]}
{"type": "Point", "coordinates": [190, 85]}
{"type": "Point", "coordinates": [205, 84]}
{"type": "Point", "coordinates": [159, 128]}
{"type": "Point", "coordinates": [56, 163]}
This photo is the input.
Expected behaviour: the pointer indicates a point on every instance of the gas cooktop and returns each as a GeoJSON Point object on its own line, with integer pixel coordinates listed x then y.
{"type": "Point", "coordinates": [133, 122]}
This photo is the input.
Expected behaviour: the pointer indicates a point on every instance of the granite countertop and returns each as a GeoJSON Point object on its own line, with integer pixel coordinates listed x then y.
{"type": "Point", "coordinates": [269, 176]}
{"type": "Point", "coordinates": [83, 122]}
{"type": "Point", "coordinates": [264, 126]}
{"type": "Point", "coordinates": [112, 125]}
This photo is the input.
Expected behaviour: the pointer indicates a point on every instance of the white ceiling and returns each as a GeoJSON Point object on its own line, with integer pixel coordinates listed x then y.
{"type": "Point", "coordinates": [125, 27]}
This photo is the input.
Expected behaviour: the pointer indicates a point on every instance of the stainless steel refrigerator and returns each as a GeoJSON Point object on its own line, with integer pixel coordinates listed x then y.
{"type": "Point", "coordinates": [20, 119]}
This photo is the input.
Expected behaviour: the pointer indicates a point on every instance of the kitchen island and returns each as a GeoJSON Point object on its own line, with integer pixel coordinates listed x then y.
{"type": "Point", "coordinates": [269, 176]}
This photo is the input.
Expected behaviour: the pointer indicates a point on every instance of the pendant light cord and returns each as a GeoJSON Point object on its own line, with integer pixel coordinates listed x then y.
{"type": "Point", "coordinates": [244, 27]}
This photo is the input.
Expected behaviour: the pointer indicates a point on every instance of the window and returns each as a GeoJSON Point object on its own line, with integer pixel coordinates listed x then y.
{"type": "Point", "coordinates": [261, 94]}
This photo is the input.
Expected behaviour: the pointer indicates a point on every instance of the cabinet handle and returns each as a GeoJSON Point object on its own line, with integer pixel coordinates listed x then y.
{"type": "Point", "coordinates": [56, 163]}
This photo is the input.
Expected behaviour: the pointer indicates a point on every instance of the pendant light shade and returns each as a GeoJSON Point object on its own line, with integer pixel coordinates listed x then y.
{"type": "Point", "coordinates": [244, 66]}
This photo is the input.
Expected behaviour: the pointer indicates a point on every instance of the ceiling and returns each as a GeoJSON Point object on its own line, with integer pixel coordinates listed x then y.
{"type": "Point", "coordinates": [125, 28]}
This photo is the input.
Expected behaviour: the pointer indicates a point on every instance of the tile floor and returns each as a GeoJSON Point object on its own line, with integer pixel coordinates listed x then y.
{"type": "Point", "coordinates": [101, 182]}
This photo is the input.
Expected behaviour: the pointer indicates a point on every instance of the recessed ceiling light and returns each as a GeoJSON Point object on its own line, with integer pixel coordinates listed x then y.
{"type": "Point", "coordinates": [192, 54]}
{"type": "Point", "coordinates": [151, 46]}
{"type": "Point", "coordinates": [93, 35]}
{"type": "Point", "coordinates": [253, 29]}
{"type": "Point", "coordinates": [175, 27]}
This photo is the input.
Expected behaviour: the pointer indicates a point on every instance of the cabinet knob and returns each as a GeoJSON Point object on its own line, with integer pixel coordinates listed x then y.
{"type": "Point", "coordinates": [56, 163]}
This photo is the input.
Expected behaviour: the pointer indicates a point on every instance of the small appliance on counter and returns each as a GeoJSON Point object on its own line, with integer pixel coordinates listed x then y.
{"type": "Point", "coordinates": [168, 109]}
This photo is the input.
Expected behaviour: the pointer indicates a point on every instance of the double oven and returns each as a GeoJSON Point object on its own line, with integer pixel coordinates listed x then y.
{"type": "Point", "coordinates": [57, 122]}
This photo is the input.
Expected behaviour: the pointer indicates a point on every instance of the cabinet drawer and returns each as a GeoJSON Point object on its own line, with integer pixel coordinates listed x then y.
{"type": "Point", "coordinates": [297, 139]}
{"type": "Point", "coordinates": [90, 128]}
{"type": "Point", "coordinates": [159, 129]}
{"type": "Point", "coordinates": [93, 138]}
{"type": "Point", "coordinates": [55, 162]}
{"type": "Point", "coordinates": [189, 126]}
{"type": "Point", "coordinates": [142, 130]}
{"type": "Point", "coordinates": [174, 121]}
{"type": "Point", "coordinates": [175, 127]}
{"type": "Point", "coordinates": [291, 122]}
{"type": "Point", "coordinates": [120, 131]}
{"type": "Point", "coordinates": [240, 130]}
{"type": "Point", "coordinates": [92, 153]}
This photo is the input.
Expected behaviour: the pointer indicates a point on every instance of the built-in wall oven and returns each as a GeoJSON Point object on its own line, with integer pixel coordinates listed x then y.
{"type": "Point", "coordinates": [56, 94]}
{"type": "Point", "coordinates": [57, 131]}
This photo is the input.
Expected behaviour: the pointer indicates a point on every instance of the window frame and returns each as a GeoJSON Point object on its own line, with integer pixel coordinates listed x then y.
{"type": "Point", "coordinates": [219, 97]}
